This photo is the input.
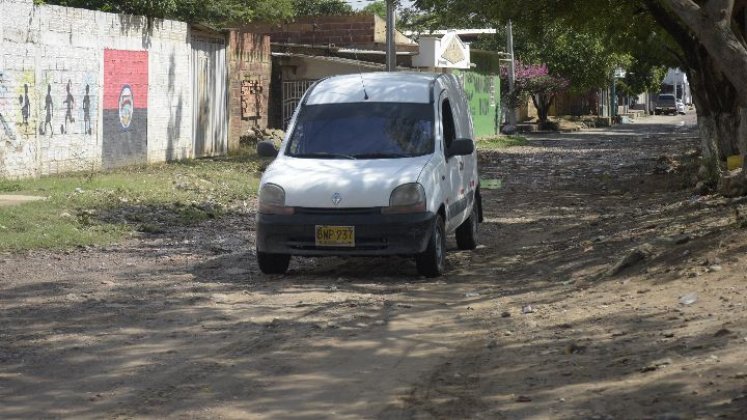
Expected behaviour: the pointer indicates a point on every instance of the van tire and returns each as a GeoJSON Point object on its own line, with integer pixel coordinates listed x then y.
{"type": "Point", "coordinates": [273, 263]}
{"type": "Point", "coordinates": [466, 233]}
{"type": "Point", "coordinates": [432, 262]}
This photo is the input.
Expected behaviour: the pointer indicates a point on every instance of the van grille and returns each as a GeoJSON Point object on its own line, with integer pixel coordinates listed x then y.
{"type": "Point", "coordinates": [338, 212]}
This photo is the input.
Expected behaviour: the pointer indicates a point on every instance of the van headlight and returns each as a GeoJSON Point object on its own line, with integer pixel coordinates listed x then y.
{"type": "Point", "coordinates": [407, 198]}
{"type": "Point", "coordinates": [272, 200]}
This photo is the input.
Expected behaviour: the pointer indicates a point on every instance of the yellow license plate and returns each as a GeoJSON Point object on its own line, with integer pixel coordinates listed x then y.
{"type": "Point", "coordinates": [335, 236]}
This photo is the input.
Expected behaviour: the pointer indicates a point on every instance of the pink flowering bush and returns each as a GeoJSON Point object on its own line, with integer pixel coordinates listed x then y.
{"type": "Point", "coordinates": [535, 81]}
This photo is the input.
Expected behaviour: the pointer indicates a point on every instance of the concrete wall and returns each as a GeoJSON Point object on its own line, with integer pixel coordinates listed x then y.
{"type": "Point", "coordinates": [82, 90]}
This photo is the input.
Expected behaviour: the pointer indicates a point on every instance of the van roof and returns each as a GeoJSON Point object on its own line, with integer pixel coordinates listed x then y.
{"type": "Point", "coordinates": [380, 87]}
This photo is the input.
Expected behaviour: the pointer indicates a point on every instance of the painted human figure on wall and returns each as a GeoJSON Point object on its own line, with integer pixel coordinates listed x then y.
{"type": "Point", "coordinates": [25, 105]}
{"type": "Point", "coordinates": [49, 107]}
{"type": "Point", "coordinates": [87, 111]}
{"type": "Point", "coordinates": [70, 103]}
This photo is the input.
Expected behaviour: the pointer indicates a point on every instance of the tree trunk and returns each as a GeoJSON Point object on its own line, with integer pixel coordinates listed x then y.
{"type": "Point", "coordinates": [734, 183]}
{"type": "Point", "coordinates": [722, 122]}
{"type": "Point", "coordinates": [542, 102]}
{"type": "Point", "coordinates": [715, 58]}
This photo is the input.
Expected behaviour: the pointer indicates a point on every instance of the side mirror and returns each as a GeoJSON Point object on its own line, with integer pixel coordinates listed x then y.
{"type": "Point", "coordinates": [266, 148]}
{"type": "Point", "coordinates": [460, 147]}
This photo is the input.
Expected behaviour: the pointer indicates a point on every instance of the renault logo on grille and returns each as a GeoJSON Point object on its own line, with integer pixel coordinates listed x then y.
{"type": "Point", "coordinates": [336, 199]}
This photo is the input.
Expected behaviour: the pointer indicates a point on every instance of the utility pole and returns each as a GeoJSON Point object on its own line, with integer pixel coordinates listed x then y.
{"type": "Point", "coordinates": [391, 49]}
{"type": "Point", "coordinates": [511, 76]}
{"type": "Point", "coordinates": [613, 96]}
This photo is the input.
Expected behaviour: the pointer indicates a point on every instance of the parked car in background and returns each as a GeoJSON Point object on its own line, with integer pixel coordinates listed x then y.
{"type": "Point", "coordinates": [372, 164]}
{"type": "Point", "coordinates": [665, 104]}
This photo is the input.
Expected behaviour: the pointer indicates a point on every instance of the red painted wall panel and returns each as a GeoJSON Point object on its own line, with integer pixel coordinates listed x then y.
{"type": "Point", "coordinates": [125, 68]}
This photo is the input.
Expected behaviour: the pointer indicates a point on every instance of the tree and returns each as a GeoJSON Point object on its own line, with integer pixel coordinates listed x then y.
{"type": "Point", "coordinates": [642, 76]}
{"type": "Point", "coordinates": [584, 59]}
{"type": "Point", "coordinates": [376, 8]}
{"type": "Point", "coordinates": [580, 57]}
{"type": "Point", "coordinates": [706, 38]}
{"type": "Point", "coordinates": [151, 8]}
{"type": "Point", "coordinates": [321, 7]}
{"type": "Point", "coordinates": [213, 12]}
{"type": "Point", "coordinates": [220, 13]}
{"type": "Point", "coordinates": [713, 51]}
{"type": "Point", "coordinates": [535, 80]}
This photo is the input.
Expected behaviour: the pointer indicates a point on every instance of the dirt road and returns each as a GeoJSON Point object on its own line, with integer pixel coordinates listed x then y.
{"type": "Point", "coordinates": [604, 289]}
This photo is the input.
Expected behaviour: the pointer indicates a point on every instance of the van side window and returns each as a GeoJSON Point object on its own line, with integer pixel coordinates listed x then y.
{"type": "Point", "coordinates": [447, 122]}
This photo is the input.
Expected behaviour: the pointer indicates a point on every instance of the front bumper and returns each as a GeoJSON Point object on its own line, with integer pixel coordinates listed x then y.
{"type": "Point", "coordinates": [375, 233]}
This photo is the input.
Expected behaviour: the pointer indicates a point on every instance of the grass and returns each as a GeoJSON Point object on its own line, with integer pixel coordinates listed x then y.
{"type": "Point", "coordinates": [101, 208]}
{"type": "Point", "coordinates": [500, 142]}
{"type": "Point", "coordinates": [90, 208]}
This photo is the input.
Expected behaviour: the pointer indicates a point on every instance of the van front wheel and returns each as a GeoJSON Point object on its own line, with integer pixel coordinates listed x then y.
{"type": "Point", "coordinates": [273, 263]}
{"type": "Point", "coordinates": [432, 262]}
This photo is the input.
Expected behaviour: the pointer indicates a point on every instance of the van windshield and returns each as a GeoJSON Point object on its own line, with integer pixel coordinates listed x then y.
{"type": "Point", "coordinates": [367, 130]}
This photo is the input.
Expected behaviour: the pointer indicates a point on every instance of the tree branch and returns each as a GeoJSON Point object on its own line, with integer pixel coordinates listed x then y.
{"type": "Point", "coordinates": [688, 11]}
{"type": "Point", "coordinates": [720, 10]}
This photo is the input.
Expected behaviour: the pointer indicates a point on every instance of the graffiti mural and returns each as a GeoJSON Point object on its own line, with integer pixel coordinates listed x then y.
{"type": "Point", "coordinates": [125, 108]}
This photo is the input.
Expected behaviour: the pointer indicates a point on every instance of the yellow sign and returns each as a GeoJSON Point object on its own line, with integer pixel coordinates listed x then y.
{"type": "Point", "coordinates": [340, 236]}
{"type": "Point", "coordinates": [734, 162]}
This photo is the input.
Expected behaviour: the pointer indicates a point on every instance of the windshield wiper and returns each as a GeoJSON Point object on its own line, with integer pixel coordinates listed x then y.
{"type": "Point", "coordinates": [381, 155]}
{"type": "Point", "coordinates": [327, 155]}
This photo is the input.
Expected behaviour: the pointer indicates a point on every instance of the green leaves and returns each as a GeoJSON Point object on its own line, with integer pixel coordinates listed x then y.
{"type": "Point", "coordinates": [321, 7]}
{"type": "Point", "coordinates": [377, 8]}
{"type": "Point", "coordinates": [219, 13]}
{"type": "Point", "coordinates": [580, 40]}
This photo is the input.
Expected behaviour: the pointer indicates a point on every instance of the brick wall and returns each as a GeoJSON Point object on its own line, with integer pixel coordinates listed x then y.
{"type": "Point", "coordinates": [356, 29]}
{"type": "Point", "coordinates": [249, 69]}
{"type": "Point", "coordinates": [52, 83]}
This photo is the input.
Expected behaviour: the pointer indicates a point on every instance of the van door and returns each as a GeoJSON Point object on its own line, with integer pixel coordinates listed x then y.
{"type": "Point", "coordinates": [456, 201]}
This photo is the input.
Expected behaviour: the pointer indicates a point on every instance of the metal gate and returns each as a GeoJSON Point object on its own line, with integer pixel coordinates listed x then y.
{"type": "Point", "coordinates": [210, 132]}
{"type": "Point", "coordinates": [292, 94]}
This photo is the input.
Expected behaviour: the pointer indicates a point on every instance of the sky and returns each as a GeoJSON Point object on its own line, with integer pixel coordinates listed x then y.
{"type": "Point", "coordinates": [359, 4]}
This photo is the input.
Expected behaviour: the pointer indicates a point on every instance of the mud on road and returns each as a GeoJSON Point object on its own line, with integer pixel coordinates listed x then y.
{"type": "Point", "coordinates": [603, 289]}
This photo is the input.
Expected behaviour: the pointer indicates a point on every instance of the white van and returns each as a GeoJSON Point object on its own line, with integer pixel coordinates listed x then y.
{"type": "Point", "coordinates": [372, 164]}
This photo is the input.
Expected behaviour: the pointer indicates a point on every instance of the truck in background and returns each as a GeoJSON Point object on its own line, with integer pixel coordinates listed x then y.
{"type": "Point", "coordinates": [665, 104]}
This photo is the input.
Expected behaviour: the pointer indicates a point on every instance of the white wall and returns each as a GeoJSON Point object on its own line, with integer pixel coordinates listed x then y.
{"type": "Point", "coordinates": [53, 50]}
